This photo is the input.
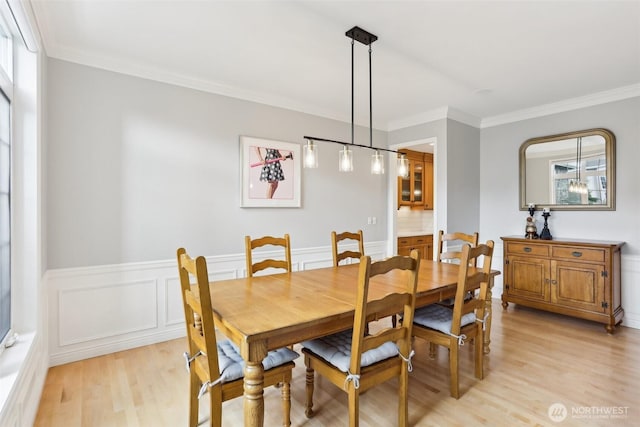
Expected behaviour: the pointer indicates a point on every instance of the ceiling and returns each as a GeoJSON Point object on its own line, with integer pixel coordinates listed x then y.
{"type": "Point", "coordinates": [480, 61]}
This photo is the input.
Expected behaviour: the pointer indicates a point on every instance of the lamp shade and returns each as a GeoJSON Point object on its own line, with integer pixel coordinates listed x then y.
{"type": "Point", "coordinates": [403, 166]}
{"type": "Point", "coordinates": [377, 163]}
{"type": "Point", "coordinates": [310, 155]}
{"type": "Point", "coordinates": [345, 160]}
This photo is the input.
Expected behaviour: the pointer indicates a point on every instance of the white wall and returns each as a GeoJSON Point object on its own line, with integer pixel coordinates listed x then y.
{"type": "Point", "coordinates": [499, 204]}
{"type": "Point", "coordinates": [138, 168]}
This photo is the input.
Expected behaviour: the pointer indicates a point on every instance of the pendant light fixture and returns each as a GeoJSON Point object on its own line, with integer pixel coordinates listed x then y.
{"type": "Point", "coordinates": [345, 159]}
{"type": "Point", "coordinates": [403, 166]}
{"type": "Point", "coordinates": [578, 186]}
{"type": "Point", "coordinates": [310, 154]}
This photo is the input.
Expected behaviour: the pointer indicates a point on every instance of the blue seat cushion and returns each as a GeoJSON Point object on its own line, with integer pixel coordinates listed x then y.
{"type": "Point", "coordinates": [232, 365]}
{"type": "Point", "coordinates": [336, 349]}
{"type": "Point", "coordinates": [437, 317]}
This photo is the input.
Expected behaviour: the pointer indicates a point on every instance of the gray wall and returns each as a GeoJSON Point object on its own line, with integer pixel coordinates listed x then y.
{"type": "Point", "coordinates": [463, 177]}
{"type": "Point", "coordinates": [137, 168]}
{"type": "Point", "coordinates": [499, 213]}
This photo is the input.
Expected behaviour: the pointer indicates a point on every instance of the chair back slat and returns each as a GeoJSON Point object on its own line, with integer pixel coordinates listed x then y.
{"type": "Point", "coordinates": [250, 245]}
{"type": "Point", "coordinates": [401, 301]}
{"type": "Point", "coordinates": [337, 238]}
{"type": "Point", "coordinates": [458, 237]}
{"type": "Point", "coordinates": [388, 334]}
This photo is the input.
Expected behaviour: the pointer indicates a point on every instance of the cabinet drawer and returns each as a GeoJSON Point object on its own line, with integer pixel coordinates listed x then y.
{"type": "Point", "coordinates": [422, 240]}
{"type": "Point", "coordinates": [526, 249]}
{"type": "Point", "coordinates": [578, 253]}
{"type": "Point", "coordinates": [415, 240]}
{"type": "Point", "coordinates": [405, 241]}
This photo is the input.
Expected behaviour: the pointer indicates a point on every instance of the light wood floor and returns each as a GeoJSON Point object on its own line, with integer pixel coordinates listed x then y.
{"type": "Point", "coordinates": [537, 359]}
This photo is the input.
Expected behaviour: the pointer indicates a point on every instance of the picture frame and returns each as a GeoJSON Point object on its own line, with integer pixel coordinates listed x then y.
{"type": "Point", "coordinates": [270, 173]}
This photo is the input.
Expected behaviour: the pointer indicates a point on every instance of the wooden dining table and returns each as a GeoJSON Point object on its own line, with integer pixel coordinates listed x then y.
{"type": "Point", "coordinates": [263, 313]}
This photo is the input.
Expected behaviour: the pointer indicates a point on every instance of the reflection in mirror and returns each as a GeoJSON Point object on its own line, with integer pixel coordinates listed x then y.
{"type": "Point", "coordinates": [571, 171]}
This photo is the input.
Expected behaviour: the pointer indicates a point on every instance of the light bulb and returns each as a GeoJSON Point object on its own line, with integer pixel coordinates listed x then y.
{"type": "Point", "coordinates": [310, 155]}
{"type": "Point", "coordinates": [345, 160]}
{"type": "Point", "coordinates": [377, 164]}
{"type": "Point", "coordinates": [403, 166]}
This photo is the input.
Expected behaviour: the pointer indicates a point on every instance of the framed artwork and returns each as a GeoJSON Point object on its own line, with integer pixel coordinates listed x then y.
{"type": "Point", "coordinates": [270, 173]}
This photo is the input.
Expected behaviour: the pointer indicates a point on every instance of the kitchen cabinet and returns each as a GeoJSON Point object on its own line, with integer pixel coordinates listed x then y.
{"type": "Point", "coordinates": [416, 190]}
{"type": "Point", "coordinates": [579, 278]}
{"type": "Point", "coordinates": [423, 243]}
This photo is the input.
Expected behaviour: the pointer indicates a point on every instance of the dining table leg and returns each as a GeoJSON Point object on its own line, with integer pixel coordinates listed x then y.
{"type": "Point", "coordinates": [253, 394]}
{"type": "Point", "coordinates": [487, 325]}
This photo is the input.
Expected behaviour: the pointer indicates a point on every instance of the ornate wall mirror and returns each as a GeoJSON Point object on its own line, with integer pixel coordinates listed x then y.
{"type": "Point", "coordinates": [570, 171]}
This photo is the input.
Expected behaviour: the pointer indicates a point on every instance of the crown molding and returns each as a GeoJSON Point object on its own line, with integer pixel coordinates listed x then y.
{"type": "Point", "coordinates": [433, 115]}
{"type": "Point", "coordinates": [159, 75]}
{"type": "Point", "coordinates": [445, 112]}
{"type": "Point", "coordinates": [598, 98]}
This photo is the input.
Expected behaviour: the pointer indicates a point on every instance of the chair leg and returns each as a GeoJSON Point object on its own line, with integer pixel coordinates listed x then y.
{"type": "Point", "coordinates": [309, 389]}
{"type": "Point", "coordinates": [479, 354]}
{"type": "Point", "coordinates": [194, 386]}
{"type": "Point", "coordinates": [453, 368]}
{"type": "Point", "coordinates": [215, 402]}
{"type": "Point", "coordinates": [403, 395]}
{"type": "Point", "coordinates": [286, 403]}
{"type": "Point", "coordinates": [354, 407]}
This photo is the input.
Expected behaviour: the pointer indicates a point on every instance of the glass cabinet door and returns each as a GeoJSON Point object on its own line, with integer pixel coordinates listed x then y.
{"type": "Point", "coordinates": [418, 174]}
{"type": "Point", "coordinates": [405, 189]}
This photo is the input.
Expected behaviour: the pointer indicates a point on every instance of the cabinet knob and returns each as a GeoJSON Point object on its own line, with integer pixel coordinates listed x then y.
{"type": "Point", "coordinates": [527, 249]}
{"type": "Point", "coordinates": [576, 254]}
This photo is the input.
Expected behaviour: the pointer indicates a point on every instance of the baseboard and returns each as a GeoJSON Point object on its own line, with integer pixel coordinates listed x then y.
{"type": "Point", "coordinates": [87, 351]}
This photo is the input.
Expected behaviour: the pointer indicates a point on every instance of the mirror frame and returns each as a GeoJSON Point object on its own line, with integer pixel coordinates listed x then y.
{"type": "Point", "coordinates": [610, 152]}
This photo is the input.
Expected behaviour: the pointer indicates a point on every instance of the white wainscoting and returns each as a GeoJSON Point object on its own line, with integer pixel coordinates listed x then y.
{"type": "Point", "coordinates": [631, 291]}
{"type": "Point", "coordinates": [104, 309]}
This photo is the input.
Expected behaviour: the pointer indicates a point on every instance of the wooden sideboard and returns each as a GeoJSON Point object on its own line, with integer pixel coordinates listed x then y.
{"type": "Point", "coordinates": [579, 278]}
{"type": "Point", "coordinates": [423, 243]}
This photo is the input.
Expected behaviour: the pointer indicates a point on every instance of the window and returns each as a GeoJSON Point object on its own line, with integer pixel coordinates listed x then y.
{"type": "Point", "coordinates": [5, 217]}
{"type": "Point", "coordinates": [6, 61]}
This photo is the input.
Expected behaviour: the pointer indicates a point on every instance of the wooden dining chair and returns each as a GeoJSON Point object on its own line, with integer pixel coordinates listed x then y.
{"type": "Point", "coordinates": [337, 238]}
{"type": "Point", "coordinates": [452, 239]}
{"type": "Point", "coordinates": [282, 242]}
{"type": "Point", "coordinates": [355, 361]}
{"type": "Point", "coordinates": [452, 328]}
{"type": "Point", "coordinates": [216, 366]}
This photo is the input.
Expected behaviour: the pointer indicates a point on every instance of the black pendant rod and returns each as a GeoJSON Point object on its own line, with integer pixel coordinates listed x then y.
{"type": "Point", "coordinates": [313, 138]}
{"type": "Point", "coordinates": [370, 103]}
{"type": "Point", "coordinates": [352, 102]}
